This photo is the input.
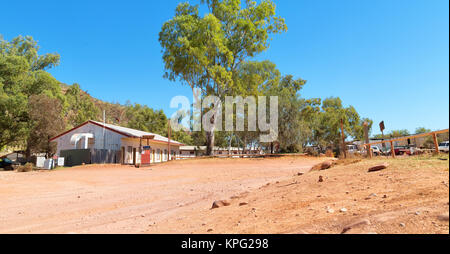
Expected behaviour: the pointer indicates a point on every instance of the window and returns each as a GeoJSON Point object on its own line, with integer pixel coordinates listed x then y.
{"type": "Point", "coordinates": [158, 154]}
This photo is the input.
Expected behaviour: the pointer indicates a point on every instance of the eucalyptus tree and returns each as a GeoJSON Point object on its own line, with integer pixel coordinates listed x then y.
{"type": "Point", "coordinates": [22, 75]}
{"type": "Point", "coordinates": [205, 51]}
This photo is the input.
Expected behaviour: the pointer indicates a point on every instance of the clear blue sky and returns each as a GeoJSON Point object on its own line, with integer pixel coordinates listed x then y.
{"type": "Point", "coordinates": [388, 58]}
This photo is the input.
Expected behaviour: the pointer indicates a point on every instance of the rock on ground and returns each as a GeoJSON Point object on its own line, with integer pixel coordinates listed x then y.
{"type": "Point", "coordinates": [220, 203]}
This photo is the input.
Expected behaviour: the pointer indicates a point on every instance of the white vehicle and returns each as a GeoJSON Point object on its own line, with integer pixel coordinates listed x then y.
{"type": "Point", "coordinates": [443, 147]}
{"type": "Point", "coordinates": [376, 151]}
{"type": "Point", "coordinates": [352, 149]}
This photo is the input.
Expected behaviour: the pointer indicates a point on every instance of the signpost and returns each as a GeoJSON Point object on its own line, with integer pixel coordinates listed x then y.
{"type": "Point", "coordinates": [382, 128]}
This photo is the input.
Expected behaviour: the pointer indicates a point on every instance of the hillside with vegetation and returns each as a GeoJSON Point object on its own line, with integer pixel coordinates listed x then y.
{"type": "Point", "coordinates": [35, 107]}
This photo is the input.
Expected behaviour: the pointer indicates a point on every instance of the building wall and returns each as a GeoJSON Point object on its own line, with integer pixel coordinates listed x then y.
{"type": "Point", "coordinates": [112, 139]}
{"type": "Point", "coordinates": [158, 154]}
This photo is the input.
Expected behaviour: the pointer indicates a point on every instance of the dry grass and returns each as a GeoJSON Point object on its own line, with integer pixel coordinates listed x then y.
{"type": "Point", "coordinates": [26, 168]}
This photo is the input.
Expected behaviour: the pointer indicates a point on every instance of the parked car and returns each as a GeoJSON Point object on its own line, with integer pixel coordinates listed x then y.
{"type": "Point", "coordinates": [376, 151]}
{"type": "Point", "coordinates": [6, 164]}
{"type": "Point", "coordinates": [352, 149]}
{"type": "Point", "coordinates": [443, 147]}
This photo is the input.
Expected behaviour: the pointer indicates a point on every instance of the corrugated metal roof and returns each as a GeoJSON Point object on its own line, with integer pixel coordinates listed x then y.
{"type": "Point", "coordinates": [137, 133]}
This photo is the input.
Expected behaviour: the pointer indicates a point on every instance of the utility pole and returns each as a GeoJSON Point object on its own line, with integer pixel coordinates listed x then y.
{"type": "Point", "coordinates": [168, 151]}
{"type": "Point", "coordinates": [343, 138]}
{"type": "Point", "coordinates": [104, 124]}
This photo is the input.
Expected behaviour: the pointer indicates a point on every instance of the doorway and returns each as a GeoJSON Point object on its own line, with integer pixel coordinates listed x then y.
{"type": "Point", "coordinates": [134, 156]}
{"type": "Point", "coordinates": [123, 155]}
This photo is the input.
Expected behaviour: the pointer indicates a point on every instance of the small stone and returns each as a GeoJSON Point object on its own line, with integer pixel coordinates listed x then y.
{"type": "Point", "coordinates": [221, 203]}
{"type": "Point", "coordinates": [343, 210]}
{"type": "Point", "coordinates": [443, 217]}
{"type": "Point", "coordinates": [385, 196]}
{"type": "Point", "coordinates": [320, 179]}
{"type": "Point", "coordinates": [300, 174]}
{"type": "Point", "coordinates": [402, 225]}
{"type": "Point", "coordinates": [330, 211]}
{"type": "Point", "coordinates": [210, 230]}
{"type": "Point", "coordinates": [243, 204]}
{"type": "Point", "coordinates": [417, 213]}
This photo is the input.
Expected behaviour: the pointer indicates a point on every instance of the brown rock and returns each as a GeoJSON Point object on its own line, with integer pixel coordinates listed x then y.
{"type": "Point", "coordinates": [320, 179]}
{"type": "Point", "coordinates": [326, 165]}
{"type": "Point", "coordinates": [243, 204]}
{"type": "Point", "coordinates": [220, 203]}
{"type": "Point", "coordinates": [443, 217]}
{"type": "Point", "coordinates": [379, 167]}
{"type": "Point", "coordinates": [358, 223]}
{"type": "Point", "coordinates": [323, 166]}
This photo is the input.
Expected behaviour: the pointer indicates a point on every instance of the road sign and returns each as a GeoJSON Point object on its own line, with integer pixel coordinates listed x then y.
{"type": "Point", "coordinates": [382, 127]}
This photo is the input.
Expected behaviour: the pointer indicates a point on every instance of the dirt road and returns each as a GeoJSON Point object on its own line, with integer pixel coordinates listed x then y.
{"type": "Point", "coordinates": [411, 196]}
{"type": "Point", "coordinates": [120, 199]}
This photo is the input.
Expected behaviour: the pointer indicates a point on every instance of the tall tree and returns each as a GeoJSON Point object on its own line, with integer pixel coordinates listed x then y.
{"type": "Point", "coordinates": [22, 75]}
{"type": "Point", "coordinates": [46, 121]}
{"type": "Point", "coordinates": [205, 52]}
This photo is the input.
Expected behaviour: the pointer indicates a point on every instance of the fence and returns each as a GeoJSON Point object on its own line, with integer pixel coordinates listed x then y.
{"type": "Point", "coordinates": [391, 141]}
{"type": "Point", "coordinates": [76, 157]}
{"type": "Point", "coordinates": [105, 157]}
{"type": "Point", "coordinates": [86, 156]}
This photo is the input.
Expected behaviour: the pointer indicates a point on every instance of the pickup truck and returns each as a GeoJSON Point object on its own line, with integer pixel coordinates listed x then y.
{"type": "Point", "coordinates": [443, 147]}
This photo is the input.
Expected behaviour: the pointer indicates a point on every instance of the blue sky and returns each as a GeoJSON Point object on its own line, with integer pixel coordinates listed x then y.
{"type": "Point", "coordinates": [388, 58]}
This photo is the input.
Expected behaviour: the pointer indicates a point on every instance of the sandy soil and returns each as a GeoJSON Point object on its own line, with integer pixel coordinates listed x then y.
{"type": "Point", "coordinates": [122, 199]}
{"type": "Point", "coordinates": [411, 196]}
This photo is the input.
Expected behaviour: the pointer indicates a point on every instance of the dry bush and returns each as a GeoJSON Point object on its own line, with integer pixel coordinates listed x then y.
{"type": "Point", "coordinates": [329, 153]}
{"type": "Point", "coordinates": [26, 168]}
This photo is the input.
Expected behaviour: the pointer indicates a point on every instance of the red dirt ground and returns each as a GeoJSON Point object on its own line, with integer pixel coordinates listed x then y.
{"type": "Point", "coordinates": [122, 199]}
{"type": "Point", "coordinates": [411, 196]}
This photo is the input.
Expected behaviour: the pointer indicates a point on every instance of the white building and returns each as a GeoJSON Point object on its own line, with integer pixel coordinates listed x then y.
{"type": "Point", "coordinates": [106, 143]}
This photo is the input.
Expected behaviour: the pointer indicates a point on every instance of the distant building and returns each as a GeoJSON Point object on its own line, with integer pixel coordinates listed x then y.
{"type": "Point", "coordinates": [198, 151]}
{"type": "Point", "coordinates": [98, 143]}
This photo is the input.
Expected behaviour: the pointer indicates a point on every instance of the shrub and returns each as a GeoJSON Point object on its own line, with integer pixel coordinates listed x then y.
{"type": "Point", "coordinates": [329, 153]}
{"type": "Point", "coordinates": [26, 168]}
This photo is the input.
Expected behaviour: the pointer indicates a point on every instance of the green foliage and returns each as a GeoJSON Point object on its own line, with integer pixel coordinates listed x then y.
{"type": "Point", "coordinates": [290, 111]}
{"type": "Point", "coordinates": [422, 130]}
{"type": "Point", "coordinates": [146, 119]}
{"type": "Point", "coordinates": [326, 125]}
{"type": "Point", "coordinates": [206, 52]}
{"type": "Point", "coordinates": [46, 121]}
{"type": "Point", "coordinates": [80, 106]}
{"type": "Point", "coordinates": [22, 75]}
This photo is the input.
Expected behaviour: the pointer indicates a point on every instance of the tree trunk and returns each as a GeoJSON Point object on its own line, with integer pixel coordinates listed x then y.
{"type": "Point", "coordinates": [210, 138]}
{"type": "Point", "coordinates": [210, 143]}
{"type": "Point", "coordinates": [244, 147]}
{"type": "Point", "coordinates": [28, 154]}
